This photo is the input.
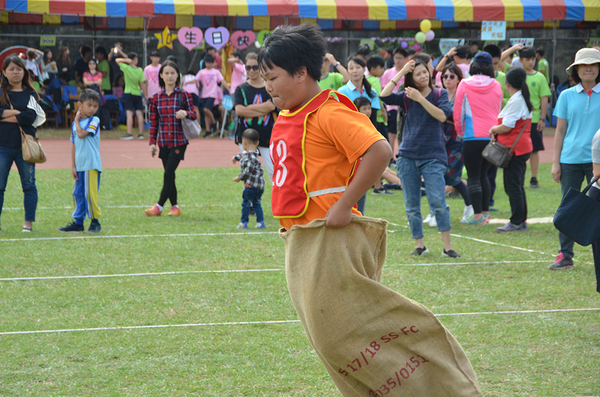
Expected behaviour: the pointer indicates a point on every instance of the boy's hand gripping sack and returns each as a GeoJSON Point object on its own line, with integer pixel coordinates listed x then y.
{"type": "Point", "coordinates": [372, 340]}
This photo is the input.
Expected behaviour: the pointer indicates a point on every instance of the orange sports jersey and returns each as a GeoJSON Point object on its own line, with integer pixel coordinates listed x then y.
{"type": "Point", "coordinates": [336, 137]}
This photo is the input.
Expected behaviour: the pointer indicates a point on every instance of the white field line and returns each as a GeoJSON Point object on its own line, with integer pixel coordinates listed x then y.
{"type": "Point", "coordinates": [482, 241]}
{"type": "Point", "coordinates": [70, 207]}
{"type": "Point", "coordinates": [75, 237]}
{"type": "Point", "coordinates": [134, 327]}
{"type": "Point", "coordinates": [98, 276]}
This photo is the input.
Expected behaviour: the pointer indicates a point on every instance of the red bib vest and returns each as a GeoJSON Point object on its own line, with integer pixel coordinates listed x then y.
{"type": "Point", "coordinates": [290, 196]}
{"type": "Point", "coordinates": [524, 145]}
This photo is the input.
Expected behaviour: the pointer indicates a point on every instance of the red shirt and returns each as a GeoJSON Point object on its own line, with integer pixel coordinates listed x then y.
{"type": "Point", "coordinates": [164, 126]}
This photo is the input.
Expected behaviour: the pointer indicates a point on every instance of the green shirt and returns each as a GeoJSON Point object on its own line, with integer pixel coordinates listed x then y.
{"type": "Point", "coordinates": [376, 85]}
{"type": "Point", "coordinates": [538, 88]}
{"type": "Point", "coordinates": [133, 77]}
{"type": "Point", "coordinates": [544, 68]}
{"type": "Point", "coordinates": [333, 81]}
{"type": "Point", "coordinates": [102, 68]}
{"type": "Point", "coordinates": [501, 78]}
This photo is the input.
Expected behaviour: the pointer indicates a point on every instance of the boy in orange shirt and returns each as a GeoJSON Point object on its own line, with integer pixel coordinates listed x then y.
{"type": "Point", "coordinates": [334, 257]}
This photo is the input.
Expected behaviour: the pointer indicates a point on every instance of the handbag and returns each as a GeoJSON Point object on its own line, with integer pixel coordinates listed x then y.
{"type": "Point", "coordinates": [578, 216]}
{"type": "Point", "coordinates": [31, 147]}
{"type": "Point", "coordinates": [191, 128]}
{"type": "Point", "coordinates": [498, 154]}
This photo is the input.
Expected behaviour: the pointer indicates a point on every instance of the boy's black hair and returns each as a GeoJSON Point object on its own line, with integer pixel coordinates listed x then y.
{"type": "Point", "coordinates": [294, 47]}
{"type": "Point", "coordinates": [375, 61]}
{"type": "Point", "coordinates": [463, 51]}
{"type": "Point", "coordinates": [527, 52]}
{"type": "Point", "coordinates": [84, 50]}
{"type": "Point", "coordinates": [132, 55]}
{"type": "Point", "coordinates": [493, 50]}
{"type": "Point", "coordinates": [236, 54]}
{"type": "Point", "coordinates": [89, 95]}
{"type": "Point", "coordinates": [101, 50]}
{"type": "Point", "coordinates": [541, 51]}
{"type": "Point", "coordinates": [209, 59]}
{"type": "Point", "coordinates": [161, 82]}
{"type": "Point", "coordinates": [486, 69]}
{"type": "Point", "coordinates": [155, 53]}
{"type": "Point", "coordinates": [361, 101]}
{"type": "Point", "coordinates": [251, 135]}
{"type": "Point", "coordinates": [401, 51]}
{"type": "Point", "coordinates": [411, 51]}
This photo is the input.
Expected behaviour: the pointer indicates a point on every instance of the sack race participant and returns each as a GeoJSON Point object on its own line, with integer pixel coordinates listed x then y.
{"type": "Point", "coordinates": [370, 339]}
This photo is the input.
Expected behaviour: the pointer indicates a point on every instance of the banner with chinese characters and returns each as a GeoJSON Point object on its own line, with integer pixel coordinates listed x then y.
{"type": "Point", "coordinates": [525, 42]}
{"type": "Point", "coordinates": [493, 30]}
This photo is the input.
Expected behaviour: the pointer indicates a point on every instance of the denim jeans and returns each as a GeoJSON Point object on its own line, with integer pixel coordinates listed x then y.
{"type": "Point", "coordinates": [432, 170]}
{"type": "Point", "coordinates": [595, 194]}
{"type": "Point", "coordinates": [572, 175]}
{"type": "Point", "coordinates": [251, 200]}
{"type": "Point", "coordinates": [27, 173]}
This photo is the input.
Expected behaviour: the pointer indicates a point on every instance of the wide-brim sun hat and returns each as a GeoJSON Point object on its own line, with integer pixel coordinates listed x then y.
{"type": "Point", "coordinates": [585, 56]}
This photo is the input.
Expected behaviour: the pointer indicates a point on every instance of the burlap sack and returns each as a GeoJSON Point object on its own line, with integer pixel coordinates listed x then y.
{"type": "Point", "coordinates": [372, 340]}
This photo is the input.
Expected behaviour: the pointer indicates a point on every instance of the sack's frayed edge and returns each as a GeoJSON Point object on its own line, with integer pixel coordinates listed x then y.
{"type": "Point", "coordinates": [317, 223]}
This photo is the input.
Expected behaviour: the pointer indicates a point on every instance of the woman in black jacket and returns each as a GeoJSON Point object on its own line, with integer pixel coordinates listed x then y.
{"type": "Point", "coordinates": [16, 92]}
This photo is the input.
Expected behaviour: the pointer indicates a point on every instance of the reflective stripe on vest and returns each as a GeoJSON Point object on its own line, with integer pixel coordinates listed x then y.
{"type": "Point", "coordinates": [290, 196]}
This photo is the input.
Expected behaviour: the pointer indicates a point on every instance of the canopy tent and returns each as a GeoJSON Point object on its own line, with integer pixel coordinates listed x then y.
{"type": "Point", "coordinates": [381, 10]}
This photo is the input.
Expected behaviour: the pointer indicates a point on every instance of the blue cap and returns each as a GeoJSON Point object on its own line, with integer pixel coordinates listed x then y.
{"type": "Point", "coordinates": [483, 57]}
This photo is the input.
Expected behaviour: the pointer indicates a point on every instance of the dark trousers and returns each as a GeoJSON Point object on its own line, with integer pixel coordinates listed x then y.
{"type": "Point", "coordinates": [514, 181]}
{"type": "Point", "coordinates": [478, 183]}
{"type": "Point", "coordinates": [251, 200]}
{"type": "Point", "coordinates": [492, 172]}
{"type": "Point", "coordinates": [572, 175]}
{"type": "Point", "coordinates": [170, 158]}
{"type": "Point", "coordinates": [595, 194]}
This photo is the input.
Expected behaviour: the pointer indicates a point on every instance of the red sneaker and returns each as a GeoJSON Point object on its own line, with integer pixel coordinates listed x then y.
{"type": "Point", "coordinates": [154, 211]}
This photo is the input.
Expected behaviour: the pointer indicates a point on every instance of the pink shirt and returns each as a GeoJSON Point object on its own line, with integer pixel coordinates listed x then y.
{"type": "Point", "coordinates": [238, 76]}
{"type": "Point", "coordinates": [387, 76]}
{"type": "Point", "coordinates": [151, 75]}
{"type": "Point", "coordinates": [210, 79]}
{"type": "Point", "coordinates": [192, 88]}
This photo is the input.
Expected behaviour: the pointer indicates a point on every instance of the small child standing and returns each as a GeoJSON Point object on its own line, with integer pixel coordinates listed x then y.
{"type": "Point", "coordinates": [253, 177]}
{"type": "Point", "coordinates": [86, 163]}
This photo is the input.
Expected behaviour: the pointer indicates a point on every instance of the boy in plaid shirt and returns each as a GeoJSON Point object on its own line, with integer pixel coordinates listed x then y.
{"type": "Point", "coordinates": [253, 177]}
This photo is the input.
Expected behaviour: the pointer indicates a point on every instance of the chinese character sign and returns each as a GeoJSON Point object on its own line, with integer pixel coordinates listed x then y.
{"type": "Point", "coordinates": [242, 40]}
{"type": "Point", "coordinates": [217, 37]}
{"type": "Point", "coordinates": [525, 42]}
{"type": "Point", "coordinates": [190, 38]}
{"type": "Point", "coordinates": [493, 30]}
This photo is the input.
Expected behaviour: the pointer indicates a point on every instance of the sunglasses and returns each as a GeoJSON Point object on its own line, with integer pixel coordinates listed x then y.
{"type": "Point", "coordinates": [252, 67]}
{"type": "Point", "coordinates": [449, 76]}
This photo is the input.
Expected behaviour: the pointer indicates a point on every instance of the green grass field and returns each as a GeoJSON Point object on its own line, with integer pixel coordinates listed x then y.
{"type": "Point", "coordinates": [193, 307]}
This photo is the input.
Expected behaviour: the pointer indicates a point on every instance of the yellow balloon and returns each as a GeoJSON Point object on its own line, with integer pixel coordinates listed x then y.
{"type": "Point", "coordinates": [425, 25]}
{"type": "Point", "coordinates": [420, 37]}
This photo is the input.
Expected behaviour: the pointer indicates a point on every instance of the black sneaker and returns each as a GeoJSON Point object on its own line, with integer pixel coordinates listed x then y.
{"type": "Point", "coordinates": [95, 227]}
{"type": "Point", "coordinates": [562, 262]}
{"type": "Point", "coordinates": [420, 251]}
{"type": "Point", "coordinates": [379, 191]}
{"type": "Point", "coordinates": [451, 254]}
{"type": "Point", "coordinates": [533, 183]}
{"type": "Point", "coordinates": [72, 228]}
{"type": "Point", "coordinates": [392, 186]}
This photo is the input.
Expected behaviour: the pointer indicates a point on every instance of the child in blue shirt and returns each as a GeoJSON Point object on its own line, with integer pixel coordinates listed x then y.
{"type": "Point", "coordinates": [86, 163]}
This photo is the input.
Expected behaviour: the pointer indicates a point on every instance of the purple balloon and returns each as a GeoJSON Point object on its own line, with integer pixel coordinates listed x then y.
{"type": "Point", "coordinates": [429, 35]}
{"type": "Point", "coordinates": [404, 44]}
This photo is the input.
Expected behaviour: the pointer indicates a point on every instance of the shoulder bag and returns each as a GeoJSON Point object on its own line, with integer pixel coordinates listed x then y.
{"type": "Point", "coordinates": [191, 128]}
{"type": "Point", "coordinates": [31, 147]}
{"type": "Point", "coordinates": [578, 216]}
{"type": "Point", "coordinates": [498, 154]}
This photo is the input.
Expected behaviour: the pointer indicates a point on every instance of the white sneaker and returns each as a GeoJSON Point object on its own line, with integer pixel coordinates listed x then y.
{"type": "Point", "coordinates": [468, 212]}
{"type": "Point", "coordinates": [428, 218]}
{"type": "Point", "coordinates": [432, 222]}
